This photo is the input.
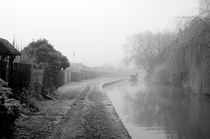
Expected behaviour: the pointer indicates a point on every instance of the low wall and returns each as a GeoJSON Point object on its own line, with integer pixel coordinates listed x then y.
{"type": "Point", "coordinates": [76, 76]}
{"type": "Point", "coordinates": [110, 83]}
{"type": "Point", "coordinates": [66, 76]}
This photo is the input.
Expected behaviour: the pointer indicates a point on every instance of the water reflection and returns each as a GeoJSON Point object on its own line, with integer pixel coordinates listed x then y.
{"type": "Point", "coordinates": [160, 111]}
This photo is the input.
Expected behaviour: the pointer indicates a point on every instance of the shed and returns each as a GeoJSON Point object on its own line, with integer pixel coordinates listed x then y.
{"type": "Point", "coordinates": [7, 55]}
{"type": "Point", "coordinates": [7, 49]}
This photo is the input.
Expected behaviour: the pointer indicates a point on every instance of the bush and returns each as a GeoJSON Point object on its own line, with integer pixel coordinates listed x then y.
{"type": "Point", "coordinates": [9, 111]}
{"type": "Point", "coordinates": [25, 97]}
{"type": "Point", "coordinates": [41, 52]}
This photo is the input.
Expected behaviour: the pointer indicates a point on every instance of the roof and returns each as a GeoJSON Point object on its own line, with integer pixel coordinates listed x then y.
{"type": "Point", "coordinates": [6, 48]}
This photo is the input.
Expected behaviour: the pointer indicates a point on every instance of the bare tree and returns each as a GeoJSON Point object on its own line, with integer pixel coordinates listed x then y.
{"type": "Point", "coordinates": [147, 49]}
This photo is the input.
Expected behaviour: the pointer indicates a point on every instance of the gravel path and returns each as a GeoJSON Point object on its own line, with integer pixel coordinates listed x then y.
{"type": "Point", "coordinates": [40, 124]}
{"type": "Point", "coordinates": [82, 110]}
{"type": "Point", "coordinates": [91, 116]}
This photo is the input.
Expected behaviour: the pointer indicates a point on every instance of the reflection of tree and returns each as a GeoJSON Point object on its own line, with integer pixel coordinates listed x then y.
{"type": "Point", "coordinates": [170, 108]}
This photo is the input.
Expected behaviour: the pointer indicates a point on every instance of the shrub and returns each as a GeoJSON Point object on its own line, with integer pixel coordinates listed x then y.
{"type": "Point", "coordinates": [9, 111]}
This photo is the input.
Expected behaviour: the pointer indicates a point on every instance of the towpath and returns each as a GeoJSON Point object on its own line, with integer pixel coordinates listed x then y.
{"type": "Point", "coordinates": [91, 116]}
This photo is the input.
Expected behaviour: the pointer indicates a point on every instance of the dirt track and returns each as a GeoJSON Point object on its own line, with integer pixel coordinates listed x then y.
{"type": "Point", "coordinates": [91, 116]}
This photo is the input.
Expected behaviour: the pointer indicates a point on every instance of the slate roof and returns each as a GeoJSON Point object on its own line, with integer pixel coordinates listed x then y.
{"type": "Point", "coordinates": [6, 48]}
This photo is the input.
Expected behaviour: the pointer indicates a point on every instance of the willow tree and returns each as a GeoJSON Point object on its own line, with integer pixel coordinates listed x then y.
{"type": "Point", "coordinates": [194, 39]}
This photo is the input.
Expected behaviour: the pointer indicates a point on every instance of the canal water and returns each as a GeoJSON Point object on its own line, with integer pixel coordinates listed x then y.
{"type": "Point", "coordinates": [154, 111]}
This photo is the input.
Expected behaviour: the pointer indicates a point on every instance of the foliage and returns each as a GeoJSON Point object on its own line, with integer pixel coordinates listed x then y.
{"type": "Point", "coordinates": [194, 43]}
{"type": "Point", "coordinates": [9, 111]}
{"type": "Point", "coordinates": [181, 59]}
{"type": "Point", "coordinates": [5, 91]}
{"type": "Point", "coordinates": [26, 98]}
{"type": "Point", "coordinates": [42, 52]}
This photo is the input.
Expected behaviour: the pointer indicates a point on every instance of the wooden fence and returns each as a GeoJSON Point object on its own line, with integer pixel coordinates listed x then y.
{"type": "Point", "coordinates": [26, 75]}
{"type": "Point", "coordinates": [20, 77]}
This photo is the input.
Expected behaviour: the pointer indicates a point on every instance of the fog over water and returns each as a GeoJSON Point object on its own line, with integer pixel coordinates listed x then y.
{"type": "Point", "coordinates": [157, 111]}
{"type": "Point", "coordinates": [92, 29]}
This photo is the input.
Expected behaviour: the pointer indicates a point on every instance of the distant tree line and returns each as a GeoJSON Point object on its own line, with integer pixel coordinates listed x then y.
{"type": "Point", "coordinates": [181, 57]}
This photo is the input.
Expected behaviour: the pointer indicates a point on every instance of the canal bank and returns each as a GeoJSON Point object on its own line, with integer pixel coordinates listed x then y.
{"type": "Point", "coordinates": [92, 115]}
{"type": "Point", "coordinates": [160, 111]}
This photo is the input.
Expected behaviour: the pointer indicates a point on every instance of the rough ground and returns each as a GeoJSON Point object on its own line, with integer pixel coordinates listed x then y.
{"type": "Point", "coordinates": [92, 116]}
{"type": "Point", "coordinates": [81, 111]}
{"type": "Point", "coordinates": [39, 125]}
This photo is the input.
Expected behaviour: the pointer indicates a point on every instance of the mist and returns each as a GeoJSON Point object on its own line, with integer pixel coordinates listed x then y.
{"type": "Point", "coordinates": [94, 30]}
{"type": "Point", "coordinates": [105, 69]}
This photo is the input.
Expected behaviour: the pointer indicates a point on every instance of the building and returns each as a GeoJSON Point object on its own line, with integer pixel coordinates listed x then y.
{"type": "Point", "coordinates": [7, 56]}
{"type": "Point", "coordinates": [77, 66]}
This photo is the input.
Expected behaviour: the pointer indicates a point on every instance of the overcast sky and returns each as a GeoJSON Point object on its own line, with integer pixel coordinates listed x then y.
{"type": "Point", "coordinates": [94, 29]}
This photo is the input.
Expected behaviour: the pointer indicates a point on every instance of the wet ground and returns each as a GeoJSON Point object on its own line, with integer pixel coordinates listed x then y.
{"type": "Point", "coordinates": [82, 110]}
{"type": "Point", "coordinates": [40, 124]}
{"type": "Point", "coordinates": [157, 111]}
{"type": "Point", "coordinates": [92, 116]}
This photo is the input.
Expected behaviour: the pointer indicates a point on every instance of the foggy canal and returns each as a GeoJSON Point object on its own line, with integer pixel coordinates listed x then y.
{"type": "Point", "coordinates": [155, 111]}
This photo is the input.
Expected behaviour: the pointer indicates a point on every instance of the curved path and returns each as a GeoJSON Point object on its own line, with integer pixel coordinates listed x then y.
{"type": "Point", "coordinates": [92, 116]}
